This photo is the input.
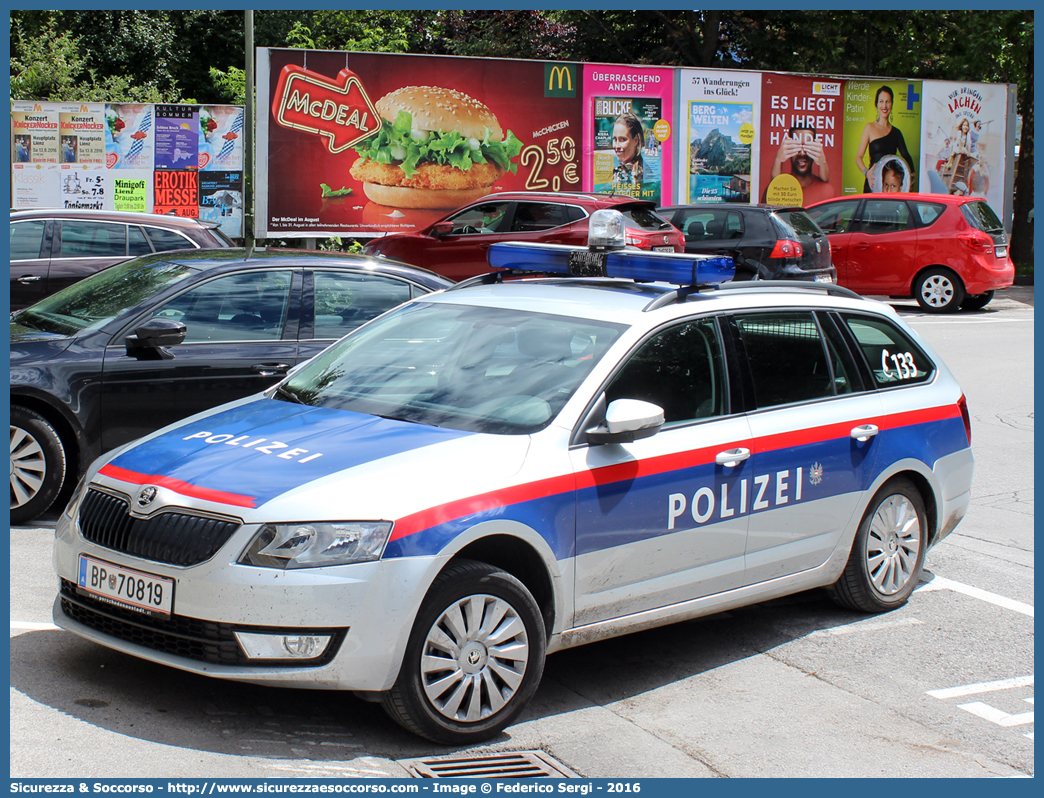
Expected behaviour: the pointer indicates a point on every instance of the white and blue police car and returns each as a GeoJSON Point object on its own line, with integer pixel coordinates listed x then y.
{"type": "Point", "coordinates": [512, 467]}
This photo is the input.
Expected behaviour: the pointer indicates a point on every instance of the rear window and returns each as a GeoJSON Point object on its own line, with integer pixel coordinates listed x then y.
{"type": "Point", "coordinates": [797, 223]}
{"type": "Point", "coordinates": [165, 240]}
{"type": "Point", "coordinates": [645, 218]}
{"type": "Point", "coordinates": [928, 212]}
{"type": "Point", "coordinates": [981, 216]}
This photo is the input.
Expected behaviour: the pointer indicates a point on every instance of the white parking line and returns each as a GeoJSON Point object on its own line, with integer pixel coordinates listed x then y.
{"type": "Point", "coordinates": [997, 716]}
{"type": "Point", "coordinates": [21, 626]}
{"type": "Point", "coordinates": [982, 687]}
{"type": "Point", "coordinates": [942, 583]}
{"type": "Point", "coordinates": [864, 626]}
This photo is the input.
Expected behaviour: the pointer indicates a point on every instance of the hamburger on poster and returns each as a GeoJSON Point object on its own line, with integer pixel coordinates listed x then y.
{"type": "Point", "coordinates": [438, 148]}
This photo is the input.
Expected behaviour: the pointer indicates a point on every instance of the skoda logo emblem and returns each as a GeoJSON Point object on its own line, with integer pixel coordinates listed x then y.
{"type": "Point", "coordinates": [147, 496]}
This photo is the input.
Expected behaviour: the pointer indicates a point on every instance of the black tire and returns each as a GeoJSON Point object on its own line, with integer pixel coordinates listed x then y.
{"type": "Point", "coordinates": [888, 551]}
{"type": "Point", "coordinates": [480, 684]}
{"type": "Point", "coordinates": [38, 465]}
{"type": "Point", "coordinates": [939, 290]}
{"type": "Point", "coordinates": [976, 301]}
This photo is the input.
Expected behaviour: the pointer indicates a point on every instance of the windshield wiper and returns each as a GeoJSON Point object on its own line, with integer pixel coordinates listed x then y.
{"type": "Point", "coordinates": [289, 395]}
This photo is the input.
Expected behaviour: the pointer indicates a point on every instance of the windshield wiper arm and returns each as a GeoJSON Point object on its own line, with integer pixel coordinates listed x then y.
{"type": "Point", "coordinates": [293, 397]}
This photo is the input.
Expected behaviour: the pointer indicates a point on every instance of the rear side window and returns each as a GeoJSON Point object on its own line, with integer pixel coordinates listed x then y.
{"type": "Point", "coordinates": [344, 301]}
{"type": "Point", "coordinates": [645, 218]}
{"type": "Point", "coordinates": [928, 212]}
{"type": "Point", "coordinates": [166, 240]}
{"type": "Point", "coordinates": [799, 222]}
{"type": "Point", "coordinates": [788, 362]}
{"type": "Point", "coordinates": [981, 217]}
{"type": "Point", "coordinates": [893, 358]}
{"type": "Point", "coordinates": [137, 243]}
{"type": "Point", "coordinates": [534, 216]}
{"type": "Point", "coordinates": [93, 240]}
{"type": "Point", "coordinates": [26, 239]}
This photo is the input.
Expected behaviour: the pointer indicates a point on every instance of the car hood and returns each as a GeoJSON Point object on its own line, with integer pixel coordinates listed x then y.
{"type": "Point", "coordinates": [294, 460]}
{"type": "Point", "coordinates": [29, 344]}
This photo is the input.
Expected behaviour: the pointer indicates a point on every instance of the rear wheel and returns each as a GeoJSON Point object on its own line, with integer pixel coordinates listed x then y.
{"type": "Point", "coordinates": [37, 465]}
{"type": "Point", "coordinates": [887, 553]}
{"type": "Point", "coordinates": [939, 290]}
{"type": "Point", "coordinates": [976, 301]}
{"type": "Point", "coordinates": [474, 658]}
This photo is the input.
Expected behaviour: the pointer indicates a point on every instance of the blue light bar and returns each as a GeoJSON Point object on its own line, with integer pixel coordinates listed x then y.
{"type": "Point", "coordinates": [679, 269]}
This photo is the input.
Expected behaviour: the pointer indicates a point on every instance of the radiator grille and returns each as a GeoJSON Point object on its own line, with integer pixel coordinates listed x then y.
{"type": "Point", "coordinates": [169, 537]}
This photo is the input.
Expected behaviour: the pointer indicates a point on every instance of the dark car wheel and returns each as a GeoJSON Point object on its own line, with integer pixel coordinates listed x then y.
{"type": "Point", "coordinates": [976, 301]}
{"type": "Point", "coordinates": [474, 658]}
{"type": "Point", "coordinates": [939, 291]}
{"type": "Point", "coordinates": [887, 553]}
{"type": "Point", "coordinates": [37, 465]}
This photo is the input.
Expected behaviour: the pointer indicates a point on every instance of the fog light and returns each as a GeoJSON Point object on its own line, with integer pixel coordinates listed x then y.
{"type": "Point", "coordinates": [257, 646]}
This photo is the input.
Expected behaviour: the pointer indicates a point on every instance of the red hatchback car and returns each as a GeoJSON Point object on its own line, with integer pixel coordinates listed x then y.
{"type": "Point", "coordinates": [455, 246]}
{"type": "Point", "coordinates": [947, 252]}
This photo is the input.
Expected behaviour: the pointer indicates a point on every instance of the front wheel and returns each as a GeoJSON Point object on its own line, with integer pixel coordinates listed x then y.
{"type": "Point", "coordinates": [976, 301]}
{"type": "Point", "coordinates": [474, 658]}
{"type": "Point", "coordinates": [887, 553]}
{"type": "Point", "coordinates": [37, 465]}
{"type": "Point", "coordinates": [939, 291]}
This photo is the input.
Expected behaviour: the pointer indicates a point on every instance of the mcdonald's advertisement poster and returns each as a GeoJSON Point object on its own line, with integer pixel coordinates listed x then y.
{"type": "Point", "coordinates": [366, 143]}
{"type": "Point", "coordinates": [882, 130]}
{"type": "Point", "coordinates": [627, 131]}
{"type": "Point", "coordinates": [801, 138]}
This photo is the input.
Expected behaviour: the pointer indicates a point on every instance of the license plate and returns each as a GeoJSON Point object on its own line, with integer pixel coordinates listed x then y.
{"type": "Point", "coordinates": [126, 587]}
{"type": "Point", "coordinates": [663, 249]}
{"type": "Point", "coordinates": [824, 278]}
{"type": "Point", "coordinates": [1002, 252]}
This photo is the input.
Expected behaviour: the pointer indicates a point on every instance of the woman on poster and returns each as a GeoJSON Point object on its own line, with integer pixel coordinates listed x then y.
{"type": "Point", "coordinates": [628, 141]}
{"type": "Point", "coordinates": [881, 137]}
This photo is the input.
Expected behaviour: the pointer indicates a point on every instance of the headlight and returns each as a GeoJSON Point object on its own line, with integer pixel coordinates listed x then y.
{"type": "Point", "coordinates": [74, 501]}
{"type": "Point", "coordinates": [314, 545]}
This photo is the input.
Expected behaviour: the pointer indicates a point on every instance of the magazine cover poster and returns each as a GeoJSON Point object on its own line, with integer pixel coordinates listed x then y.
{"type": "Point", "coordinates": [964, 140]}
{"type": "Point", "coordinates": [627, 131]}
{"type": "Point", "coordinates": [177, 137]}
{"type": "Point", "coordinates": [35, 185]}
{"type": "Point", "coordinates": [221, 138]}
{"type": "Point", "coordinates": [369, 143]}
{"type": "Point", "coordinates": [801, 139]}
{"type": "Point", "coordinates": [81, 130]}
{"type": "Point", "coordinates": [721, 112]}
{"type": "Point", "coordinates": [129, 136]}
{"type": "Point", "coordinates": [34, 132]}
{"type": "Point", "coordinates": [882, 136]}
{"type": "Point", "coordinates": [221, 200]}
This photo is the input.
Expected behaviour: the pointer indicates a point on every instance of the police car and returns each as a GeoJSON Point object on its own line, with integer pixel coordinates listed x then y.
{"type": "Point", "coordinates": [512, 467]}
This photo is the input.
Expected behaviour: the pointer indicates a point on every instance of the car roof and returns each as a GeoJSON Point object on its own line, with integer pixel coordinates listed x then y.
{"type": "Point", "coordinates": [633, 303]}
{"type": "Point", "coordinates": [947, 199]}
{"type": "Point", "coordinates": [741, 206]}
{"type": "Point", "coordinates": [232, 258]}
{"type": "Point", "coordinates": [112, 216]}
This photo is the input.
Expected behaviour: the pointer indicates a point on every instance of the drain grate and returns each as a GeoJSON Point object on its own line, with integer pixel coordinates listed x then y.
{"type": "Point", "coordinates": [509, 765]}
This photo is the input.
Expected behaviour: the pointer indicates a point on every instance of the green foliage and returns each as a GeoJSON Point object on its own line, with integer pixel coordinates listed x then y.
{"type": "Point", "coordinates": [230, 83]}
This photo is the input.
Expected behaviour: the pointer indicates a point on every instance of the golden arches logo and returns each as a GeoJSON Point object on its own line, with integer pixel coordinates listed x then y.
{"type": "Point", "coordinates": [563, 75]}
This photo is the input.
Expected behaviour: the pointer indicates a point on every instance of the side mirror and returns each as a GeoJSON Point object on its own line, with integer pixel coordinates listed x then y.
{"type": "Point", "coordinates": [150, 338]}
{"type": "Point", "coordinates": [442, 228]}
{"type": "Point", "coordinates": [627, 420]}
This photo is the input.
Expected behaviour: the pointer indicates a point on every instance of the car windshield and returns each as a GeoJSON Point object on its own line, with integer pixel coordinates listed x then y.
{"type": "Point", "coordinates": [96, 300]}
{"type": "Point", "coordinates": [469, 368]}
{"type": "Point", "coordinates": [981, 216]}
{"type": "Point", "coordinates": [645, 218]}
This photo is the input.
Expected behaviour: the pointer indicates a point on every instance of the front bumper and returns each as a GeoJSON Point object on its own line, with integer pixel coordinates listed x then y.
{"type": "Point", "coordinates": [367, 609]}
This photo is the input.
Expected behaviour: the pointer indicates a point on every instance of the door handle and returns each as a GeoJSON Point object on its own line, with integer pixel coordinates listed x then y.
{"type": "Point", "coordinates": [29, 279]}
{"type": "Point", "coordinates": [862, 245]}
{"type": "Point", "coordinates": [732, 457]}
{"type": "Point", "coordinates": [270, 369]}
{"type": "Point", "coordinates": [864, 432]}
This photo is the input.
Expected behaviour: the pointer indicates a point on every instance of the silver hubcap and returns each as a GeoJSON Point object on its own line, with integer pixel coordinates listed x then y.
{"type": "Point", "coordinates": [893, 545]}
{"type": "Point", "coordinates": [937, 291]}
{"type": "Point", "coordinates": [28, 467]}
{"type": "Point", "coordinates": [474, 658]}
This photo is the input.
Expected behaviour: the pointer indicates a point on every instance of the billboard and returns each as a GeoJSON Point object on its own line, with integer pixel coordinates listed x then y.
{"type": "Point", "coordinates": [364, 143]}
{"type": "Point", "coordinates": [129, 157]}
{"type": "Point", "coordinates": [628, 125]}
{"type": "Point", "coordinates": [882, 130]}
{"type": "Point", "coordinates": [719, 118]}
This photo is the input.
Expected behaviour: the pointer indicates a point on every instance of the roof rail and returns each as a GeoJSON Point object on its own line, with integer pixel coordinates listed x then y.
{"type": "Point", "coordinates": [790, 285]}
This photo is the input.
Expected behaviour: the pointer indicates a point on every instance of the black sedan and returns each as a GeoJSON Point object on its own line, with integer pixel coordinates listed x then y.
{"type": "Point", "coordinates": [767, 242]}
{"type": "Point", "coordinates": [158, 338]}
